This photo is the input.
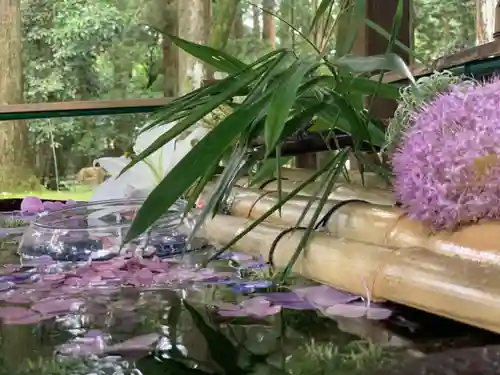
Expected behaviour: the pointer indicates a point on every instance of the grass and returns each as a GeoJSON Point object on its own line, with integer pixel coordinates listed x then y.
{"type": "Point", "coordinates": [76, 193]}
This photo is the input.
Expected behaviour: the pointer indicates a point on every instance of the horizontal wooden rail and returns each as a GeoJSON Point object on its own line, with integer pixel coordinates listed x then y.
{"type": "Point", "coordinates": [80, 108]}
{"type": "Point", "coordinates": [472, 55]}
{"type": "Point", "coordinates": [477, 61]}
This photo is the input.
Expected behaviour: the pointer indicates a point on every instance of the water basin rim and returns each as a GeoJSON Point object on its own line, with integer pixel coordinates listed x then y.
{"type": "Point", "coordinates": [175, 212]}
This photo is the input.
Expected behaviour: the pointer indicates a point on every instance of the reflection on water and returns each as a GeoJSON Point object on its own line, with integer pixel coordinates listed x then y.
{"type": "Point", "coordinates": [179, 329]}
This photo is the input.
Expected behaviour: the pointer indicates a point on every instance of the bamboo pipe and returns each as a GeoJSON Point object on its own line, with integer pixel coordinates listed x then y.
{"type": "Point", "coordinates": [376, 225]}
{"type": "Point", "coordinates": [341, 191]}
{"type": "Point", "coordinates": [468, 292]}
{"type": "Point", "coordinates": [369, 180]}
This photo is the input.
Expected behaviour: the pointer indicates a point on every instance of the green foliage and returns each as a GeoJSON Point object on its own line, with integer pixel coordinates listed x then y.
{"type": "Point", "coordinates": [86, 50]}
{"type": "Point", "coordinates": [103, 50]}
{"type": "Point", "coordinates": [443, 27]}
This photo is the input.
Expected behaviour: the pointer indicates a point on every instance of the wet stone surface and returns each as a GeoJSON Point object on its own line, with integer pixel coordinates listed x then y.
{"type": "Point", "coordinates": [469, 361]}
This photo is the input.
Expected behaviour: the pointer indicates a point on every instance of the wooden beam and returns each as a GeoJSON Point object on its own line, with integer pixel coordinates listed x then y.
{"type": "Point", "coordinates": [80, 108]}
{"type": "Point", "coordinates": [369, 42]}
{"type": "Point", "coordinates": [478, 53]}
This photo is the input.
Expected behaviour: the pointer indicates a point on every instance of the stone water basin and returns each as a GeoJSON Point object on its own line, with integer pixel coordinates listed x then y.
{"type": "Point", "coordinates": [131, 315]}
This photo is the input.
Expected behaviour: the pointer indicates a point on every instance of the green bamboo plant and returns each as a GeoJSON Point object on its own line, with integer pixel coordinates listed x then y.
{"type": "Point", "coordinates": [272, 99]}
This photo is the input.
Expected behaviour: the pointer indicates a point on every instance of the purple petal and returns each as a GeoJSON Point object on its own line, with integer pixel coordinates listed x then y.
{"type": "Point", "coordinates": [324, 296]}
{"type": "Point", "coordinates": [31, 205]}
{"type": "Point", "coordinates": [288, 300]}
{"type": "Point", "coordinates": [259, 307]}
{"type": "Point", "coordinates": [232, 313]}
{"type": "Point", "coordinates": [251, 286]}
{"type": "Point", "coordinates": [4, 286]}
{"type": "Point", "coordinates": [228, 306]}
{"type": "Point", "coordinates": [34, 318]}
{"type": "Point", "coordinates": [144, 276]}
{"type": "Point", "coordinates": [17, 296]}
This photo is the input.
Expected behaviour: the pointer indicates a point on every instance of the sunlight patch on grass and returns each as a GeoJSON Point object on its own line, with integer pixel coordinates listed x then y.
{"type": "Point", "coordinates": [77, 193]}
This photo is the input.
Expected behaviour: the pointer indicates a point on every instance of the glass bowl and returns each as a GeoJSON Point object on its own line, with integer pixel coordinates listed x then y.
{"type": "Point", "coordinates": [95, 230]}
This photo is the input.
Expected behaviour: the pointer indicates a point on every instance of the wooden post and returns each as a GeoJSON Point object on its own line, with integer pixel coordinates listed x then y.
{"type": "Point", "coordinates": [496, 34]}
{"type": "Point", "coordinates": [369, 43]}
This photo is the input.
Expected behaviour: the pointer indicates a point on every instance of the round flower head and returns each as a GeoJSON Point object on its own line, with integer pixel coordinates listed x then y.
{"type": "Point", "coordinates": [447, 167]}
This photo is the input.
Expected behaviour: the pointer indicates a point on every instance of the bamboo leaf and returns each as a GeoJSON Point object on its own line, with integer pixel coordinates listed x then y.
{"type": "Point", "coordinates": [320, 12]}
{"type": "Point", "coordinates": [222, 351]}
{"type": "Point", "coordinates": [218, 59]}
{"type": "Point", "coordinates": [350, 19]}
{"type": "Point", "coordinates": [232, 87]}
{"type": "Point", "coordinates": [282, 102]}
{"type": "Point", "coordinates": [368, 64]}
{"type": "Point", "coordinates": [224, 183]}
{"type": "Point", "coordinates": [368, 86]}
{"type": "Point", "coordinates": [191, 167]}
{"type": "Point", "coordinates": [336, 164]}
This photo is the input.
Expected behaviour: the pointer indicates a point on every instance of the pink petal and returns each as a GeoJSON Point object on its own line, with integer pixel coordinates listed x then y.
{"type": "Point", "coordinates": [144, 276]}
{"type": "Point", "coordinates": [53, 277]}
{"type": "Point", "coordinates": [107, 274]}
{"type": "Point", "coordinates": [53, 306]}
{"type": "Point", "coordinates": [259, 307]}
{"type": "Point", "coordinates": [137, 343]}
{"type": "Point", "coordinates": [346, 311]}
{"type": "Point", "coordinates": [5, 286]}
{"type": "Point", "coordinates": [13, 312]}
{"type": "Point", "coordinates": [18, 296]}
{"type": "Point", "coordinates": [255, 302]}
{"type": "Point", "coordinates": [34, 318]}
{"type": "Point", "coordinates": [31, 205]}
{"type": "Point", "coordinates": [378, 313]}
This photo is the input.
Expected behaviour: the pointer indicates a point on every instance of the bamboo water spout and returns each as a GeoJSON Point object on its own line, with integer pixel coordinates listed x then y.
{"type": "Point", "coordinates": [465, 291]}
{"type": "Point", "coordinates": [341, 191]}
{"type": "Point", "coordinates": [377, 225]}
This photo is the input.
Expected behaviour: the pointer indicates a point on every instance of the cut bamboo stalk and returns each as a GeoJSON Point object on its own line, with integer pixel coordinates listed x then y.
{"type": "Point", "coordinates": [342, 191]}
{"type": "Point", "coordinates": [377, 225]}
{"type": "Point", "coordinates": [369, 179]}
{"type": "Point", "coordinates": [464, 291]}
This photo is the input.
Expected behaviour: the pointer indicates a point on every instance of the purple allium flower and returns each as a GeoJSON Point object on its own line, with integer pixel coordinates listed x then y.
{"type": "Point", "coordinates": [447, 167]}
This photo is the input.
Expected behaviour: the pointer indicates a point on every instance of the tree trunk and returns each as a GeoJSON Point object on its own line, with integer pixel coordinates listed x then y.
{"type": "Point", "coordinates": [485, 20]}
{"type": "Point", "coordinates": [191, 26]}
{"type": "Point", "coordinates": [238, 26]}
{"type": "Point", "coordinates": [221, 27]}
{"type": "Point", "coordinates": [284, 33]}
{"type": "Point", "coordinates": [16, 165]}
{"type": "Point", "coordinates": [268, 23]}
{"type": "Point", "coordinates": [170, 52]}
{"type": "Point", "coordinates": [223, 20]}
{"type": "Point", "coordinates": [256, 20]}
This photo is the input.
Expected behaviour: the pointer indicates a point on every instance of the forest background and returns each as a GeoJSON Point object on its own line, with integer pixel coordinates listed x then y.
{"type": "Point", "coordinates": [63, 50]}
